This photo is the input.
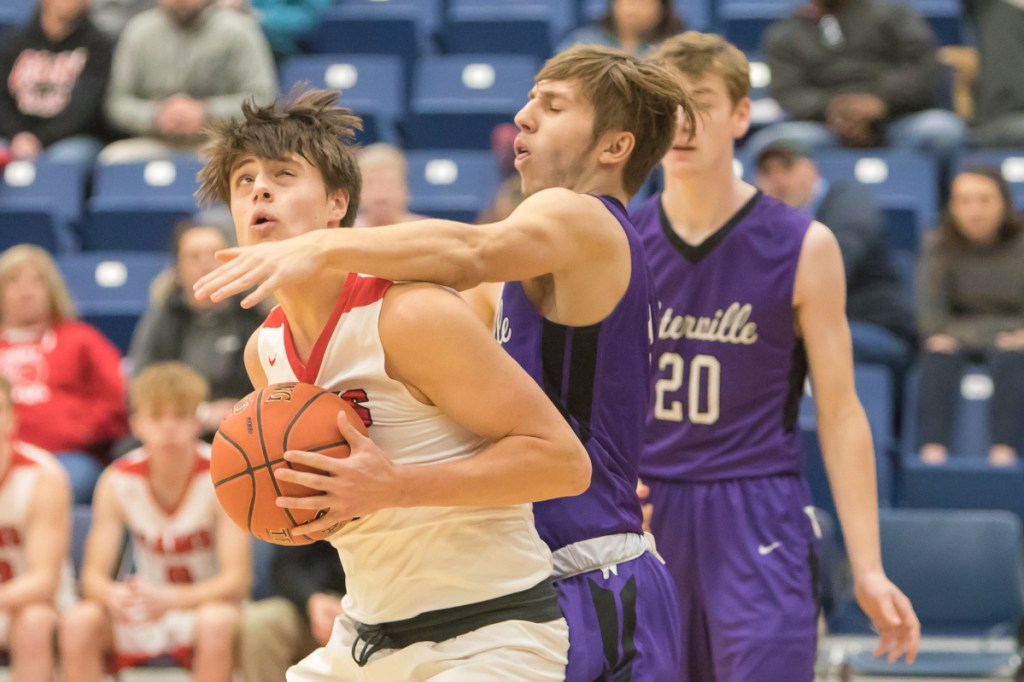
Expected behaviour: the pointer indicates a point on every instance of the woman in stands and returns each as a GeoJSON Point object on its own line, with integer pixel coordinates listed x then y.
{"type": "Point", "coordinates": [636, 26]}
{"type": "Point", "coordinates": [970, 288]}
{"type": "Point", "coordinates": [69, 396]}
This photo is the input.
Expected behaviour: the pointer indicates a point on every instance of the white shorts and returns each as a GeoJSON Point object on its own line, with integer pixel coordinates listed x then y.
{"type": "Point", "coordinates": [507, 651]}
{"type": "Point", "coordinates": [170, 635]}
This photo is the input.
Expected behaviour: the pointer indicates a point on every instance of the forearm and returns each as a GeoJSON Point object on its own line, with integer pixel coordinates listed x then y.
{"type": "Point", "coordinates": [516, 470]}
{"type": "Point", "coordinates": [224, 587]}
{"type": "Point", "coordinates": [850, 465]}
{"type": "Point", "coordinates": [96, 586]}
{"type": "Point", "coordinates": [32, 588]}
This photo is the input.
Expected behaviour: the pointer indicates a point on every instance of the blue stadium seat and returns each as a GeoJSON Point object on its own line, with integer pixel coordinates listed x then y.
{"type": "Point", "coordinates": [373, 86]}
{"type": "Point", "coordinates": [875, 390]}
{"type": "Point", "coordinates": [458, 99]}
{"type": "Point", "coordinates": [111, 289]}
{"type": "Point", "coordinates": [528, 36]}
{"type": "Point", "coordinates": [902, 183]}
{"type": "Point", "coordinates": [945, 18]}
{"type": "Point", "coordinates": [136, 205]}
{"type": "Point", "coordinates": [743, 21]}
{"type": "Point", "coordinates": [764, 109]}
{"type": "Point", "coordinates": [560, 15]}
{"type": "Point", "coordinates": [963, 483]}
{"type": "Point", "coordinates": [40, 202]}
{"type": "Point", "coordinates": [391, 28]}
{"type": "Point", "coordinates": [697, 13]}
{"type": "Point", "coordinates": [453, 185]}
{"type": "Point", "coordinates": [962, 571]}
{"type": "Point", "coordinates": [1009, 161]}
{"type": "Point", "coordinates": [428, 14]}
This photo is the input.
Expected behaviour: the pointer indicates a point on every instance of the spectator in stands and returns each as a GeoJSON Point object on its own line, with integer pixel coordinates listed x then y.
{"type": "Point", "coordinates": [307, 583]}
{"type": "Point", "coordinates": [55, 71]}
{"type": "Point", "coordinates": [68, 391]}
{"type": "Point", "coordinates": [971, 309]}
{"type": "Point", "coordinates": [999, 104]}
{"type": "Point", "coordinates": [385, 196]}
{"type": "Point", "coordinates": [858, 73]}
{"type": "Point", "coordinates": [287, 22]}
{"type": "Point", "coordinates": [192, 563]}
{"type": "Point", "coordinates": [176, 67]}
{"type": "Point", "coordinates": [35, 499]}
{"type": "Point", "coordinates": [208, 337]}
{"type": "Point", "coordinates": [879, 310]}
{"type": "Point", "coordinates": [636, 26]}
{"type": "Point", "coordinates": [110, 16]}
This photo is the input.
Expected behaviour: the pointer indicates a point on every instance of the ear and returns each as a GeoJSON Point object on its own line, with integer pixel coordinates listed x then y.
{"type": "Point", "coordinates": [741, 118]}
{"type": "Point", "coordinates": [338, 207]}
{"type": "Point", "coordinates": [616, 147]}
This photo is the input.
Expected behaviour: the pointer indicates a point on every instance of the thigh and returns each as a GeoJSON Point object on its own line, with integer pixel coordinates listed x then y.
{"type": "Point", "coordinates": [623, 620]}
{"type": "Point", "coordinates": [760, 580]}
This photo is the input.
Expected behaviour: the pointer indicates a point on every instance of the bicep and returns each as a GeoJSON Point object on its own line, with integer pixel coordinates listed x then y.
{"type": "Point", "coordinates": [234, 547]}
{"type": "Point", "coordinates": [468, 375]}
{"type": "Point", "coordinates": [49, 531]}
{"type": "Point", "coordinates": [106, 533]}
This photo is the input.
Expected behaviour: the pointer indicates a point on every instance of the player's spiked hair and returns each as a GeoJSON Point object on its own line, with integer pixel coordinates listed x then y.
{"type": "Point", "coordinates": [307, 122]}
{"type": "Point", "coordinates": [164, 385]}
{"type": "Point", "coordinates": [698, 54]}
{"type": "Point", "coordinates": [62, 308]}
{"type": "Point", "coordinates": [628, 94]}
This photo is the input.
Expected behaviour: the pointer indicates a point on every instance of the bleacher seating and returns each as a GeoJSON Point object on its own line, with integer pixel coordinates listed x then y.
{"type": "Point", "coordinates": [456, 185]}
{"type": "Point", "coordinates": [699, 14]}
{"type": "Point", "coordinates": [372, 29]}
{"type": "Point", "coordinates": [528, 36]}
{"type": "Point", "coordinates": [1010, 163]}
{"type": "Point", "coordinates": [40, 202]}
{"type": "Point", "coordinates": [458, 99]}
{"type": "Point", "coordinates": [560, 15]}
{"type": "Point", "coordinates": [111, 289]}
{"type": "Point", "coordinates": [135, 206]}
{"type": "Point", "coordinates": [963, 573]}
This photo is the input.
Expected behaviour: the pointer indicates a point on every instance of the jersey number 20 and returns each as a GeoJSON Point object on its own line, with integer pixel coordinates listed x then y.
{"type": "Point", "coordinates": [704, 369]}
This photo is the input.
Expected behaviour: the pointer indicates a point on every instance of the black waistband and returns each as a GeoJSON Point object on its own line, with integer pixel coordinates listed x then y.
{"type": "Point", "coordinates": [538, 604]}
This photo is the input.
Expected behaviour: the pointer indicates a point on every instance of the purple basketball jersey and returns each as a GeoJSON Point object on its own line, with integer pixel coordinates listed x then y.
{"type": "Point", "coordinates": [728, 366]}
{"type": "Point", "coordinates": [599, 378]}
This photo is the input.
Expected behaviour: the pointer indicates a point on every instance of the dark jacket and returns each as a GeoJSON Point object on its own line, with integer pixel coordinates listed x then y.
{"type": "Point", "coordinates": [874, 292]}
{"type": "Point", "coordinates": [54, 90]}
{"type": "Point", "coordinates": [212, 342]}
{"type": "Point", "coordinates": [297, 572]}
{"type": "Point", "coordinates": [887, 50]}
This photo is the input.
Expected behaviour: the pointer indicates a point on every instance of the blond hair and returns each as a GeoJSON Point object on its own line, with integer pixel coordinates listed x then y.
{"type": "Point", "coordinates": [696, 54]}
{"type": "Point", "coordinates": [628, 94]}
{"type": "Point", "coordinates": [166, 385]}
{"type": "Point", "coordinates": [305, 122]}
{"type": "Point", "coordinates": [62, 307]}
{"type": "Point", "coordinates": [382, 154]}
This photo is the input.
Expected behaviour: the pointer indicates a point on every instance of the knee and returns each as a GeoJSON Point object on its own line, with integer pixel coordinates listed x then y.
{"type": "Point", "coordinates": [81, 628]}
{"type": "Point", "coordinates": [32, 629]}
{"type": "Point", "coordinates": [934, 128]}
{"type": "Point", "coordinates": [217, 624]}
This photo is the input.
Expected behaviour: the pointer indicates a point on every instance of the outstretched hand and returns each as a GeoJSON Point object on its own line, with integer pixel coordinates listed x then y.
{"type": "Point", "coordinates": [266, 266]}
{"type": "Point", "coordinates": [892, 615]}
{"type": "Point", "coordinates": [360, 484]}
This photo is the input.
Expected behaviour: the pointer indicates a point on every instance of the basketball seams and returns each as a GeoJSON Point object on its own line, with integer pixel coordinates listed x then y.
{"type": "Point", "coordinates": [266, 457]}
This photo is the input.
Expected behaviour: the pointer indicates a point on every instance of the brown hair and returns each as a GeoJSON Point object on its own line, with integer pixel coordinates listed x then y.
{"type": "Point", "coordinates": [62, 308]}
{"type": "Point", "coordinates": [307, 122]}
{"type": "Point", "coordinates": [696, 54]}
{"type": "Point", "coordinates": [628, 94]}
{"type": "Point", "coordinates": [669, 24]}
{"type": "Point", "coordinates": [949, 235]}
{"type": "Point", "coordinates": [165, 385]}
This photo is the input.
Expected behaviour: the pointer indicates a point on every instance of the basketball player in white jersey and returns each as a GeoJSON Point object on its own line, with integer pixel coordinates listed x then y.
{"type": "Point", "coordinates": [445, 580]}
{"type": "Point", "coordinates": [192, 565]}
{"type": "Point", "coordinates": [35, 513]}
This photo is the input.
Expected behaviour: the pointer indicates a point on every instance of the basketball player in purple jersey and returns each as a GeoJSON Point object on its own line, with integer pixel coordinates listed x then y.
{"type": "Point", "coordinates": [576, 315]}
{"type": "Point", "coordinates": [752, 294]}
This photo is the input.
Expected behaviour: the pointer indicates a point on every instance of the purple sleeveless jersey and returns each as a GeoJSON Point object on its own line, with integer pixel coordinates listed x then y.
{"type": "Point", "coordinates": [599, 378]}
{"type": "Point", "coordinates": [728, 366]}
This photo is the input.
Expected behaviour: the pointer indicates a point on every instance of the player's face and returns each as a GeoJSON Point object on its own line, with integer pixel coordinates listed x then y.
{"type": "Point", "coordinates": [790, 181]}
{"type": "Point", "coordinates": [385, 195]}
{"type": "Point", "coordinates": [977, 206]}
{"type": "Point", "coordinates": [636, 16]}
{"type": "Point", "coordinates": [555, 146]}
{"type": "Point", "coordinates": [197, 254]}
{"type": "Point", "coordinates": [719, 125]}
{"type": "Point", "coordinates": [273, 200]}
{"type": "Point", "coordinates": [25, 297]}
{"type": "Point", "coordinates": [165, 430]}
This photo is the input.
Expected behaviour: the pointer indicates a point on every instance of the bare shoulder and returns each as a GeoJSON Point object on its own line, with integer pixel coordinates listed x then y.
{"type": "Point", "coordinates": [251, 358]}
{"type": "Point", "coordinates": [820, 275]}
{"type": "Point", "coordinates": [560, 203]}
{"type": "Point", "coordinates": [414, 306]}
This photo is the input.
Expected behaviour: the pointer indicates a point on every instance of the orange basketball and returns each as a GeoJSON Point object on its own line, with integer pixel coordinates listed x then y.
{"type": "Point", "coordinates": [250, 445]}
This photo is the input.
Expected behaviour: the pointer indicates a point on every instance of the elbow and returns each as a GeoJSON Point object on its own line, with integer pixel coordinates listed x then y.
{"type": "Point", "coordinates": [578, 477]}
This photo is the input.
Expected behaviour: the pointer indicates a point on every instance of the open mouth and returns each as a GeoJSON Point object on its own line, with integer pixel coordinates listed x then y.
{"type": "Point", "coordinates": [261, 217]}
{"type": "Point", "coordinates": [521, 151]}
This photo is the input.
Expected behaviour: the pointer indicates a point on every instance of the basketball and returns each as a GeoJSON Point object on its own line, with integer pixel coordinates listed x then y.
{"type": "Point", "coordinates": [250, 445]}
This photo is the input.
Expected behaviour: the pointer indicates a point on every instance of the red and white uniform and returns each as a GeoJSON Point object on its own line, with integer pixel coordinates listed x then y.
{"type": "Point", "coordinates": [17, 487]}
{"type": "Point", "coordinates": [169, 546]}
{"type": "Point", "coordinates": [402, 562]}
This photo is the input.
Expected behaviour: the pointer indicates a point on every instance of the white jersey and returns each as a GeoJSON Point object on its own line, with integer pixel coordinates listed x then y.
{"type": "Point", "coordinates": [402, 562]}
{"type": "Point", "coordinates": [169, 545]}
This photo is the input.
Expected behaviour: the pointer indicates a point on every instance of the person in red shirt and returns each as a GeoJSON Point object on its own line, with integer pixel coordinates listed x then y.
{"type": "Point", "coordinates": [69, 394]}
